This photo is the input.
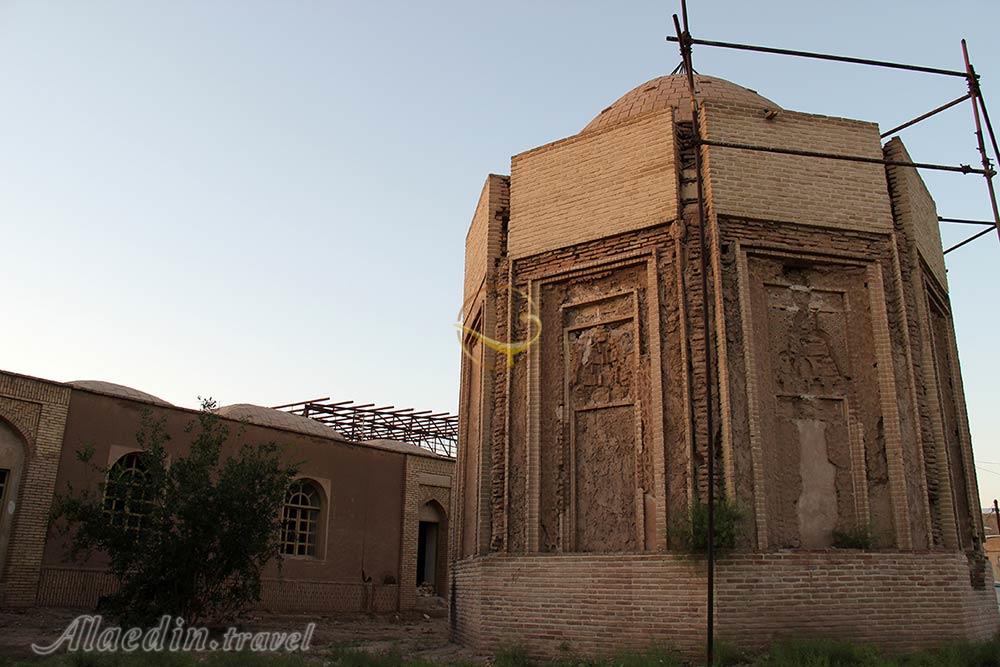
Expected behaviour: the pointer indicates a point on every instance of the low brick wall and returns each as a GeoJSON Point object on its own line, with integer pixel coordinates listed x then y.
{"type": "Point", "coordinates": [598, 604]}
{"type": "Point", "coordinates": [326, 596]}
{"type": "Point", "coordinates": [79, 587]}
{"type": "Point", "coordinates": [73, 587]}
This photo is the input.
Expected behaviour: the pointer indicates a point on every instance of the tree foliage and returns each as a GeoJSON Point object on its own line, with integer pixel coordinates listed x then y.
{"type": "Point", "coordinates": [191, 533]}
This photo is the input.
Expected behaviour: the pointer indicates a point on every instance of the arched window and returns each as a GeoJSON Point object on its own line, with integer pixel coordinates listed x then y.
{"type": "Point", "coordinates": [300, 519]}
{"type": "Point", "coordinates": [127, 496]}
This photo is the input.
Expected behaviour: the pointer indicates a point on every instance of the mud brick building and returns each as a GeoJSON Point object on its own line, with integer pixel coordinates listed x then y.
{"type": "Point", "coordinates": [838, 404]}
{"type": "Point", "coordinates": [372, 517]}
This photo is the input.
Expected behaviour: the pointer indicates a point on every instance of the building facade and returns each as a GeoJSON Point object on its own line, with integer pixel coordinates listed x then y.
{"type": "Point", "coordinates": [372, 517]}
{"type": "Point", "coordinates": [839, 421]}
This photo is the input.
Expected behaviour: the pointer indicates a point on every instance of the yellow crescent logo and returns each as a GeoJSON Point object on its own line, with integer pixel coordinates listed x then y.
{"type": "Point", "coordinates": [509, 350]}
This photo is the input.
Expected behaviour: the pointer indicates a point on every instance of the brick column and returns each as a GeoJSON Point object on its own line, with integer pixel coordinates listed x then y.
{"type": "Point", "coordinates": [37, 410]}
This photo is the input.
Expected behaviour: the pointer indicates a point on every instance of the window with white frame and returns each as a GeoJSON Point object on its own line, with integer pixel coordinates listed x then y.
{"type": "Point", "coordinates": [127, 496]}
{"type": "Point", "coordinates": [300, 519]}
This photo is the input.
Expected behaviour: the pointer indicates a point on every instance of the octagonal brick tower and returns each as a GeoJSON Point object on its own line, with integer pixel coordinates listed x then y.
{"type": "Point", "coordinates": [840, 427]}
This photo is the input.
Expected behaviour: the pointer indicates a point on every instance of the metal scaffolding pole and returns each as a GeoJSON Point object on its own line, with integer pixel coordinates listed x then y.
{"type": "Point", "coordinates": [973, 82]}
{"type": "Point", "coordinates": [683, 38]}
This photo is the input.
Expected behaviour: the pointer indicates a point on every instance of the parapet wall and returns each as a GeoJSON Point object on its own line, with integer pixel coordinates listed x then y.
{"type": "Point", "coordinates": [804, 190]}
{"type": "Point", "coordinates": [484, 240]}
{"type": "Point", "coordinates": [596, 605]}
{"type": "Point", "coordinates": [593, 185]}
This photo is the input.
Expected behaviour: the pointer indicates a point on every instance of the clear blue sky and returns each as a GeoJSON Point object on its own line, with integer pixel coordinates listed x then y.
{"type": "Point", "coordinates": [267, 201]}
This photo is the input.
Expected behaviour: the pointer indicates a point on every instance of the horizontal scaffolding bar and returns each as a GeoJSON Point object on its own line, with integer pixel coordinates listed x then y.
{"type": "Point", "coordinates": [962, 169]}
{"type": "Point", "coordinates": [925, 116]}
{"type": "Point", "coordinates": [963, 221]}
{"type": "Point", "coordinates": [821, 56]}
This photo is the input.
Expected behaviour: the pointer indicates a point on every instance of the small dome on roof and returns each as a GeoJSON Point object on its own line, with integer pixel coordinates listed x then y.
{"type": "Point", "coordinates": [672, 91]}
{"type": "Point", "coordinates": [119, 390]}
{"type": "Point", "coordinates": [261, 416]}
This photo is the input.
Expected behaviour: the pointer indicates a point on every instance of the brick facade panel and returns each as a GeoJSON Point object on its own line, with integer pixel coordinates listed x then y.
{"type": "Point", "coordinates": [812, 191]}
{"type": "Point", "coordinates": [594, 185]}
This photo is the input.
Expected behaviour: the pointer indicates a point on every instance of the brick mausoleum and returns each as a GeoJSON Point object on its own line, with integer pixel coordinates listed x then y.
{"type": "Point", "coordinates": [838, 398]}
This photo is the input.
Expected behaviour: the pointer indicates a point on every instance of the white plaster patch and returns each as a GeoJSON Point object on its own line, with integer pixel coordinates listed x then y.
{"type": "Point", "coordinates": [817, 506]}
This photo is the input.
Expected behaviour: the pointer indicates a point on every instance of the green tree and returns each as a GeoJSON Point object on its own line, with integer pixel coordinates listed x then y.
{"type": "Point", "coordinates": [187, 535]}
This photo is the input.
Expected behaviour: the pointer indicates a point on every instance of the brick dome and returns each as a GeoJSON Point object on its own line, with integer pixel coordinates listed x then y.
{"type": "Point", "coordinates": [118, 390]}
{"type": "Point", "coordinates": [672, 91]}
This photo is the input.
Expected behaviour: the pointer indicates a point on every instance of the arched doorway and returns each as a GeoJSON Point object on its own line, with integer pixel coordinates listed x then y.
{"type": "Point", "coordinates": [432, 548]}
{"type": "Point", "coordinates": [12, 450]}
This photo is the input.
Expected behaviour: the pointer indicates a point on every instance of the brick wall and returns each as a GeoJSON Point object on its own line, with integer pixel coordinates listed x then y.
{"type": "Point", "coordinates": [484, 245]}
{"type": "Point", "coordinates": [593, 185]}
{"type": "Point", "coordinates": [301, 595]}
{"type": "Point", "coordinates": [915, 209]}
{"type": "Point", "coordinates": [37, 410]}
{"type": "Point", "coordinates": [811, 191]}
{"type": "Point", "coordinates": [427, 478]}
{"type": "Point", "coordinates": [37, 413]}
{"type": "Point", "coordinates": [483, 241]}
{"type": "Point", "coordinates": [598, 604]}
{"type": "Point", "coordinates": [918, 246]}
{"type": "Point", "coordinates": [466, 613]}
{"type": "Point", "coordinates": [77, 587]}
{"type": "Point", "coordinates": [415, 494]}
{"type": "Point", "coordinates": [74, 586]}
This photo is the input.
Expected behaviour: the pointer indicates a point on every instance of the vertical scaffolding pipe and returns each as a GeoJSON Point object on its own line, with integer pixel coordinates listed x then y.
{"type": "Point", "coordinates": [973, 82]}
{"type": "Point", "coordinates": [996, 513]}
{"type": "Point", "coordinates": [684, 39]}
{"type": "Point", "coordinates": [989, 125]}
{"type": "Point", "coordinates": [982, 104]}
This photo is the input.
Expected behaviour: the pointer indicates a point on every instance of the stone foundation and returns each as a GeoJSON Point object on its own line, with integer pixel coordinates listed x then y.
{"type": "Point", "coordinates": [594, 605]}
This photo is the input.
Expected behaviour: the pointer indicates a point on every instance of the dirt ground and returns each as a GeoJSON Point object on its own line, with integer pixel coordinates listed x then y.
{"type": "Point", "coordinates": [418, 633]}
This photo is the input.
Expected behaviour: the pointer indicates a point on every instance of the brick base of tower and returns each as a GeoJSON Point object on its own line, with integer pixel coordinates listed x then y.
{"type": "Point", "coordinates": [594, 605]}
